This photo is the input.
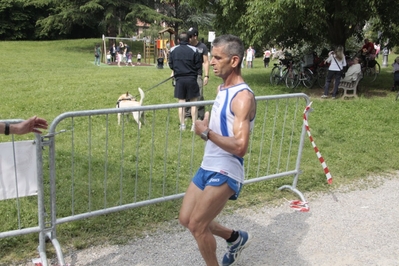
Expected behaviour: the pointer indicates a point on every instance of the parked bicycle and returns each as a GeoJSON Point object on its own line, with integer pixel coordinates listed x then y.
{"type": "Point", "coordinates": [321, 74]}
{"type": "Point", "coordinates": [291, 78]}
{"type": "Point", "coordinates": [319, 69]}
{"type": "Point", "coordinates": [279, 71]}
{"type": "Point", "coordinates": [371, 69]}
{"type": "Point", "coordinates": [292, 74]}
{"type": "Point", "coordinates": [299, 73]}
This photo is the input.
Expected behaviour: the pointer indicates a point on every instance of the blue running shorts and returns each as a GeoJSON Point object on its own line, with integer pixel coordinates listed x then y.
{"type": "Point", "coordinates": [205, 178]}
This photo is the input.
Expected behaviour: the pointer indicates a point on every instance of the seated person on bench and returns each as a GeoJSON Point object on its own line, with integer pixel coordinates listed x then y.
{"type": "Point", "coordinates": [353, 71]}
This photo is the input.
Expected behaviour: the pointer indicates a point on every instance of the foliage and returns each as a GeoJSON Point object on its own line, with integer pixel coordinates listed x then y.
{"type": "Point", "coordinates": [186, 15]}
{"type": "Point", "coordinates": [283, 23]}
{"type": "Point", "coordinates": [65, 16]}
{"type": "Point", "coordinates": [387, 22]}
{"type": "Point", "coordinates": [17, 20]}
{"type": "Point", "coordinates": [113, 18]}
{"type": "Point", "coordinates": [287, 23]}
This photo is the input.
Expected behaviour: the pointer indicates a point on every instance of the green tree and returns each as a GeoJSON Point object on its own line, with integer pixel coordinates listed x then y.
{"type": "Point", "coordinates": [296, 22]}
{"type": "Point", "coordinates": [387, 23]}
{"type": "Point", "coordinates": [17, 20]}
{"type": "Point", "coordinates": [110, 17]}
{"type": "Point", "coordinates": [186, 14]}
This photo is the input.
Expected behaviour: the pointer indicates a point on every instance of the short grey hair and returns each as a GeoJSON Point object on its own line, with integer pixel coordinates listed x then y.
{"type": "Point", "coordinates": [233, 46]}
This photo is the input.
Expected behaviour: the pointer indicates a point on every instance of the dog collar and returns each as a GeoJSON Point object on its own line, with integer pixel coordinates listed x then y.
{"type": "Point", "coordinates": [124, 99]}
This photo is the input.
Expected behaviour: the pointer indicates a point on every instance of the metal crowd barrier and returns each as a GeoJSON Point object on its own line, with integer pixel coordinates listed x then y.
{"type": "Point", "coordinates": [17, 209]}
{"type": "Point", "coordinates": [96, 167]}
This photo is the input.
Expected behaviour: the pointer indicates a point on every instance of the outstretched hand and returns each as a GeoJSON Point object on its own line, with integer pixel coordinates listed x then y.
{"type": "Point", "coordinates": [32, 124]}
{"type": "Point", "coordinates": [202, 125]}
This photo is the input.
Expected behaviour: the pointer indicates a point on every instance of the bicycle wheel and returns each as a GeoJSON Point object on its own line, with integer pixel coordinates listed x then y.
{"type": "Point", "coordinates": [377, 70]}
{"type": "Point", "coordinates": [282, 76]}
{"type": "Point", "coordinates": [367, 75]}
{"type": "Point", "coordinates": [292, 79]}
{"type": "Point", "coordinates": [321, 76]}
{"type": "Point", "coordinates": [308, 78]}
{"type": "Point", "coordinates": [370, 74]}
{"type": "Point", "coordinates": [275, 75]}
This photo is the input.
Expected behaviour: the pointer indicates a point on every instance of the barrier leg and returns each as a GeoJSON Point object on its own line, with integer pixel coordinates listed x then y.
{"type": "Point", "coordinates": [58, 250]}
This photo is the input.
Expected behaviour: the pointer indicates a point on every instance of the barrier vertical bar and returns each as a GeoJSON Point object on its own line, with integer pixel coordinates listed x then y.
{"type": "Point", "coordinates": [40, 200]}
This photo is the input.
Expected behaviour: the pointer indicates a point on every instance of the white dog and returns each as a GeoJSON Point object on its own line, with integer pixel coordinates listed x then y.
{"type": "Point", "coordinates": [128, 100]}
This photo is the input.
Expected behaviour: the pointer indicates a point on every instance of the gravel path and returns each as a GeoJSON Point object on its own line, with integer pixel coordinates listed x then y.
{"type": "Point", "coordinates": [353, 225]}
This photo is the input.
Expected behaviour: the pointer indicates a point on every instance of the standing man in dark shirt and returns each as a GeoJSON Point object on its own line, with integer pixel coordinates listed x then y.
{"type": "Point", "coordinates": [185, 62]}
{"type": "Point", "coordinates": [112, 50]}
{"type": "Point", "coordinates": [202, 81]}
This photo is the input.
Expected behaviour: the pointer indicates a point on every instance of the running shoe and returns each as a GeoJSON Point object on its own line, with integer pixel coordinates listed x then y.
{"type": "Point", "coordinates": [234, 250]}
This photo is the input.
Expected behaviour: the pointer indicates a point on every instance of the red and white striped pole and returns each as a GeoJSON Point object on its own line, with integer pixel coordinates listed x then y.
{"type": "Point", "coordinates": [323, 163]}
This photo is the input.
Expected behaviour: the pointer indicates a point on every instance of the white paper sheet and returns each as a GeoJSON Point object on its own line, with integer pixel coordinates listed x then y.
{"type": "Point", "coordinates": [19, 178]}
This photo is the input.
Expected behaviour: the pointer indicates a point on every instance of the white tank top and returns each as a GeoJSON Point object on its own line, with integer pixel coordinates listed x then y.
{"type": "Point", "coordinates": [215, 158]}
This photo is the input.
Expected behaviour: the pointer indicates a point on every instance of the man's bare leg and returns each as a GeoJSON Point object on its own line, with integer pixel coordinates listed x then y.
{"type": "Point", "coordinates": [198, 210]}
{"type": "Point", "coordinates": [181, 115]}
{"type": "Point", "coordinates": [194, 113]}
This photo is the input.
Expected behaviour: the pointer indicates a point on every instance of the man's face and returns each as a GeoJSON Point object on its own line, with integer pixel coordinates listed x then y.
{"type": "Point", "coordinates": [191, 40]}
{"type": "Point", "coordinates": [222, 64]}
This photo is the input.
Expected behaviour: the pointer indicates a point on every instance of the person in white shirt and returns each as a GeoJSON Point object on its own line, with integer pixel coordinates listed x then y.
{"type": "Point", "coordinates": [250, 57]}
{"type": "Point", "coordinates": [353, 71]}
{"type": "Point", "coordinates": [337, 63]}
{"type": "Point", "coordinates": [221, 175]}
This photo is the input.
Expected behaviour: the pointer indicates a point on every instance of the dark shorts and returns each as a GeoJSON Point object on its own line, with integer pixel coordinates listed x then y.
{"type": "Point", "coordinates": [205, 178]}
{"type": "Point", "coordinates": [187, 88]}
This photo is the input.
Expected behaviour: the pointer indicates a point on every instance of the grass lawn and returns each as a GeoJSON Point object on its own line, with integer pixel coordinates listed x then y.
{"type": "Point", "coordinates": [358, 138]}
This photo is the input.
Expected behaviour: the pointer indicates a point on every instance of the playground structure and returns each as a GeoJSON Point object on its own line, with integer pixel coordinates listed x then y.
{"type": "Point", "coordinates": [147, 51]}
{"type": "Point", "coordinates": [164, 45]}
{"type": "Point", "coordinates": [152, 51]}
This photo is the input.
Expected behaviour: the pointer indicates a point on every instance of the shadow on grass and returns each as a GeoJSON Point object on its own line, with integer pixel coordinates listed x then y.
{"type": "Point", "coordinates": [373, 93]}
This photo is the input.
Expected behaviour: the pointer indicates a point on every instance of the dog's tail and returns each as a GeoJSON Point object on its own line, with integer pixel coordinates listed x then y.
{"type": "Point", "coordinates": [142, 96]}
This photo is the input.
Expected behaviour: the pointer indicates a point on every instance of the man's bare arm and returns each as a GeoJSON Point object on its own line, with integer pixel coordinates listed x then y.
{"type": "Point", "coordinates": [244, 109]}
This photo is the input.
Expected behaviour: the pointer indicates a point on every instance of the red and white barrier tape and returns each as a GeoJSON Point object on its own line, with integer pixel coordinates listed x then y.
{"type": "Point", "coordinates": [323, 163]}
{"type": "Point", "coordinates": [38, 262]}
{"type": "Point", "coordinates": [299, 205]}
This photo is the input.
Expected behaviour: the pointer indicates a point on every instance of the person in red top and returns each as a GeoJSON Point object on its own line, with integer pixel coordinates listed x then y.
{"type": "Point", "coordinates": [368, 49]}
{"type": "Point", "coordinates": [266, 57]}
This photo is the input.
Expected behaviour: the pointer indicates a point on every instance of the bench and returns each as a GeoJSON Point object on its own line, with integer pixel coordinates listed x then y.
{"type": "Point", "coordinates": [350, 86]}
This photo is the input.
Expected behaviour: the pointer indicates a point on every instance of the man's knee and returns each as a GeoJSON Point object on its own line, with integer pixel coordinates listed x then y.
{"type": "Point", "coordinates": [193, 228]}
{"type": "Point", "coordinates": [190, 224]}
{"type": "Point", "coordinates": [184, 220]}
